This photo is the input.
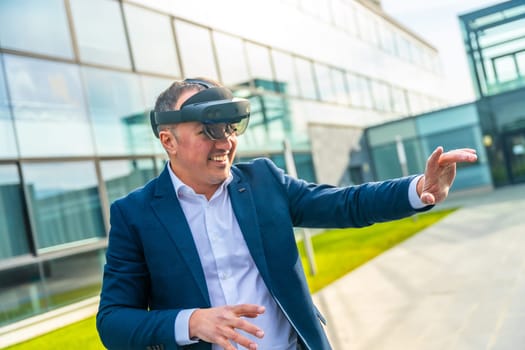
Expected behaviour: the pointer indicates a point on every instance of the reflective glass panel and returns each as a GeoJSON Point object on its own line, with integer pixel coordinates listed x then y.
{"type": "Point", "coordinates": [260, 66]}
{"type": "Point", "coordinates": [381, 95]}
{"type": "Point", "coordinates": [152, 41]}
{"type": "Point", "coordinates": [7, 131]}
{"type": "Point", "coordinates": [123, 176]}
{"type": "Point", "coordinates": [118, 113]}
{"type": "Point", "coordinates": [49, 108]}
{"type": "Point", "coordinates": [196, 50]}
{"type": "Point", "coordinates": [306, 78]}
{"type": "Point", "coordinates": [232, 60]}
{"type": "Point", "coordinates": [100, 32]}
{"type": "Point", "coordinates": [339, 79]}
{"type": "Point", "coordinates": [13, 229]}
{"type": "Point", "coordinates": [399, 101]}
{"type": "Point", "coordinates": [20, 293]}
{"type": "Point", "coordinates": [324, 81]}
{"type": "Point", "coordinates": [73, 278]}
{"type": "Point", "coordinates": [285, 73]}
{"type": "Point", "coordinates": [64, 202]}
{"type": "Point", "coordinates": [152, 87]}
{"type": "Point", "coordinates": [269, 124]}
{"type": "Point", "coordinates": [520, 61]}
{"type": "Point", "coordinates": [360, 91]}
{"type": "Point", "coordinates": [505, 68]}
{"type": "Point", "coordinates": [36, 26]}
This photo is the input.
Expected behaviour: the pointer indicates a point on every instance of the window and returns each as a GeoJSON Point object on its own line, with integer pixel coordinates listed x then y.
{"type": "Point", "coordinates": [7, 133]}
{"type": "Point", "coordinates": [359, 88]}
{"type": "Point", "coordinates": [36, 26]}
{"type": "Point", "coordinates": [152, 87]}
{"type": "Point", "coordinates": [505, 68]}
{"type": "Point", "coordinates": [381, 93]}
{"type": "Point", "coordinates": [399, 101]}
{"type": "Point", "coordinates": [232, 60]}
{"type": "Point", "coordinates": [324, 80]}
{"type": "Point", "coordinates": [285, 73]}
{"type": "Point", "coordinates": [152, 42]}
{"type": "Point", "coordinates": [19, 292]}
{"type": "Point", "coordinates": [260, 66]}
{"type": "Point", "coordinates": [520, 61]}
{"type": "Point", "coordinates": [123, 176]}
{"type": "Point", "coordinates": [100, 32]}
{"type": "Point", "coordinates": [13, 230]}
{"type": "Point", "coordinates": [117, 111]}
{"type": "Point", "coordinates": [341, 93]}
{"type": "Point", "coordinates": [306, 78]}
{"type": "Point", "coordinates": [196, 50]}
{"type": "Point", "coordinates": [49, 108]}
{"type": "Point", "coordinates": [269, 124]}
{"type": "Point", "coordinates": [64, 202]}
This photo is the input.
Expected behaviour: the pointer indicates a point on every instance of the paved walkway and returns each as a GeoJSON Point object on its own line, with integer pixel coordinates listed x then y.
{"type": "Point", "coordinates": [458, 285]}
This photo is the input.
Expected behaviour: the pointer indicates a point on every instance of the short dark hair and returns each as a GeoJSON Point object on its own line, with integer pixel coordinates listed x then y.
{"type": "Point", "coordinates": [169, 97]}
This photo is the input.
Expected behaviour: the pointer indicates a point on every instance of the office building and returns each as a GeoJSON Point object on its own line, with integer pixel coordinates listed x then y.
{"type": "Point", "coordinates": [494, 124]}
{"type": "Point", "coordinates": [77, 78]}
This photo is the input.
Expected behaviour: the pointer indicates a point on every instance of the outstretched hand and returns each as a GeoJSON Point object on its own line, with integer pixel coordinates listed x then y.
{"type": "Point", "coordinates": [440, 172]}
{"type": "Point", "coordinates": [219, 325]}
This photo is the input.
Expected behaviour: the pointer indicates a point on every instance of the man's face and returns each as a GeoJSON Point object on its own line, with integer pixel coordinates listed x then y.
{"type": "Point", "coordinates": [201, 163]}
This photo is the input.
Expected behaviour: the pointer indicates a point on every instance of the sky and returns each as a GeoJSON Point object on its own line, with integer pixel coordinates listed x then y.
{"type": "Point", "coordinates": [437, 22]}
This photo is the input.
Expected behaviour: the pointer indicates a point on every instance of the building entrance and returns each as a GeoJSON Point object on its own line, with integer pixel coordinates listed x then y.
{"type": "Point", "coordinates": [514, 148]}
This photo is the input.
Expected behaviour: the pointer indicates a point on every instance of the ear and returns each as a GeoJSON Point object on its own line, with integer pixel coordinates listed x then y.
{"type": "Point", "coordinates": [168, 141]}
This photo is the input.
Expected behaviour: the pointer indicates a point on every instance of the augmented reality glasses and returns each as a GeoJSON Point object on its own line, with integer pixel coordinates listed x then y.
{"type": "Point", "coordinates": [215, 107]}
{"type": "Point", "coordinates": [221, 131]}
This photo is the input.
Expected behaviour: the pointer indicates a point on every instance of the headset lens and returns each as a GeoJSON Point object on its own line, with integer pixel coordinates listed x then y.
{"type": "Point", "coordinates": [219, 131]}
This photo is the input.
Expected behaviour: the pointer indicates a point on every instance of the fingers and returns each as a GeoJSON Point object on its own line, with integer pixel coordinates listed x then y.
{"type": "Point", "coordinates": [248, 310]}
{"type": "Point", "coordinates": [220, 325]}
{"type": "Point", "coordinates": [458, 156]}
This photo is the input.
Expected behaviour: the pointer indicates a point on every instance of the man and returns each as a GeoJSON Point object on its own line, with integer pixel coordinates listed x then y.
{"type": "Point", "coordinates": [205, 253]}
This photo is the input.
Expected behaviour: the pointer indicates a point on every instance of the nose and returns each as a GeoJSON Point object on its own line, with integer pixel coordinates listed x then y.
{"type": "Point", "coordinates": [225, 143]}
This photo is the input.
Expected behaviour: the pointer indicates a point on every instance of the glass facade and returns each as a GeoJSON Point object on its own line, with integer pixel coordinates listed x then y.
{"type": "Point", "coordinates": [494, 38]}
{"type": "Point", "coordinates": [417, 137]}
{"type": "Point", "coordinates": [45, 24]}
{"type": "Point", "coordinates": [48, 106]}
{"type": "Point", "coordinates": [76, 86]}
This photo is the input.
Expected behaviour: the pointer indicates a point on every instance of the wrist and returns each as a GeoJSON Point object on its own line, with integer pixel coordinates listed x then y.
{"type": "Point", "coordinates": [420, 185]}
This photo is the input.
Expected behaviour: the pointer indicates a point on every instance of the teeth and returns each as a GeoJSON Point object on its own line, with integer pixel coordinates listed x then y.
{"type": "Point", "coordinates": [219, 158]}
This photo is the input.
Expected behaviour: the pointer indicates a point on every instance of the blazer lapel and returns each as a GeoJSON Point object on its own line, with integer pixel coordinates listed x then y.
{"type": "Point", "coordinates": [168, 209]}
{"type": "Point", "coordinates": [244, 209]}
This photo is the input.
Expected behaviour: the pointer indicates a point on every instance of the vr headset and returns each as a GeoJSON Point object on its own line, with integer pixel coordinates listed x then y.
{"type": "Point", "coordinates": [214, 107]}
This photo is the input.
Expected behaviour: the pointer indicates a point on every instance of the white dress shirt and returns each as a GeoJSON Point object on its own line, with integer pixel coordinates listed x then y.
{"type": "Point", "coordinates": [231, 274]}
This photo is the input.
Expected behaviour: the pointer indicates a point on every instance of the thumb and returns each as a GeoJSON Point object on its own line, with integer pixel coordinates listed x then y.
{"type": "Point", "coordinates": [428, 198]}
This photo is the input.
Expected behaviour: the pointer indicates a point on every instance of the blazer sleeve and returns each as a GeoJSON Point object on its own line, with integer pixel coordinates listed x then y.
{"type": "Point", "coordinates": [325, 206]}
{"type": "Point", "coordinates": [123, 319]}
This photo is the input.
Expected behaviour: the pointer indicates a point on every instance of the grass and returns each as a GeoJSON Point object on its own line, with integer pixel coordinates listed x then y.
{"type": "Point", "coordinates": [337, 252]}
{"type": "Point", "coordinates": [80, 335]}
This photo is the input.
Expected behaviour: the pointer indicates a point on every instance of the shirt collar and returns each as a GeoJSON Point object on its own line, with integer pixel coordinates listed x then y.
{"type": "Point", "coordinates": [180, 187]}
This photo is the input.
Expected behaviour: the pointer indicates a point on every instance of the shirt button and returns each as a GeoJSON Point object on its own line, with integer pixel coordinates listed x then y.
{"type": "Point", "coordinates": [224, 275]}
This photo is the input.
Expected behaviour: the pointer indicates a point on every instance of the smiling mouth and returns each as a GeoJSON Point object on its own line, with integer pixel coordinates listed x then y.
{"type": "Point", "coordinates": [219, 158]}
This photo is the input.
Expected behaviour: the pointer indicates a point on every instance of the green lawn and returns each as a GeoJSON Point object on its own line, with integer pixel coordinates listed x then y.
{"type": "Point", "coordinates": [337, 252]}
{"type": "Point", "coordinates": [81, 335]}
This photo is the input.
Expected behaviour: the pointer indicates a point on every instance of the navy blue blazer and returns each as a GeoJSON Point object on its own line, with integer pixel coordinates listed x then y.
{"type": "Point", "coordinates": [153, 268]}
